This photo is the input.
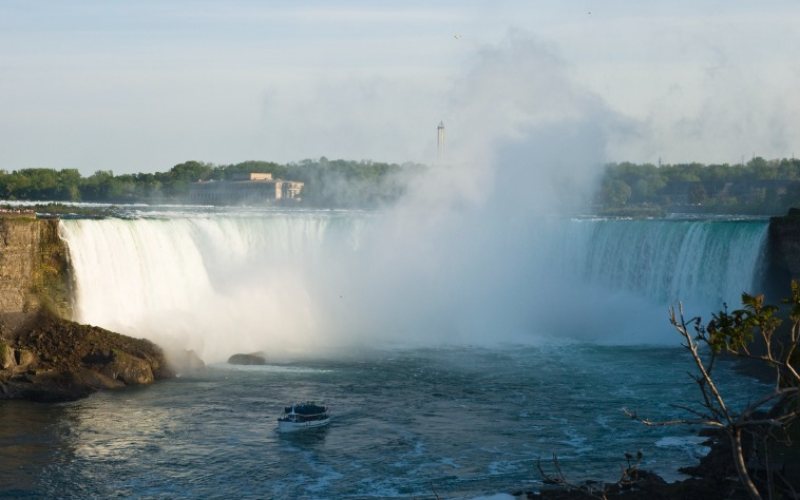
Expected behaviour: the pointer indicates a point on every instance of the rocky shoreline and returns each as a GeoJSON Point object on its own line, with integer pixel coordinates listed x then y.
{"type": "Point", "coordinates": [714, 478]}
{"type": "Point", "coordinates": [51, 359]}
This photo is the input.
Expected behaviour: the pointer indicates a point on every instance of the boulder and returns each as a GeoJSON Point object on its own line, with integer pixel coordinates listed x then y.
{"type": "Point", "coordinates": [7, 358]}
{"type": "Point", "coordinates": [128, 369]}
{"type": "Point", "coordinates": [256, 358]}
{"type": "Point", "coordinates": [58, 360]}
{"type": "Point", "coordinates": [185, 361]}
{"type": "Point", "coordinates": [26, 357]}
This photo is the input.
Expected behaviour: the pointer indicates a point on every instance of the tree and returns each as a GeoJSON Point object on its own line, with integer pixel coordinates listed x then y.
{"type": "Point", "coordinates": [698, 195]}
{"type": "Point", "coordinates": [101, 186]}
{"type": "Point", "coordinates": [734, 333]}
{"type": "Point", "coordinates": [15, 186]}
{"type": "Point", "coordinates": [148, 186]}
{"type": "Point", "coordinates": [190, 171]}
{"type": "Point", "coordinates": [762, 169]}
{"type": "Point", "coordinates": [178, 179]}
{"type": "Point", "coordinates": [68, 185]}
{"type": "Point", "coordinates": [278, 171]}
{"type": "Point", "coordinates": [616, 193]}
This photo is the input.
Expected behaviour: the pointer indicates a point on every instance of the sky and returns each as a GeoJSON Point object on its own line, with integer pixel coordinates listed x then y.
{"type": "Point", "coordinates": [142, 85]}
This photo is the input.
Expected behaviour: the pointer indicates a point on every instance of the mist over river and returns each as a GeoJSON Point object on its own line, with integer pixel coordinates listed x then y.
{"type": "Point", "coordinates": [307, 283]}
{"type": "Point", "coordinates": [454, 353]}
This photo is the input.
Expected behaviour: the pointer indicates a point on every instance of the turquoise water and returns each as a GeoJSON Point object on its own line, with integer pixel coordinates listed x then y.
{"type": "Point", "coordinates": [464, 422]}
{"type": "Point", "coordinates": [456, 350]}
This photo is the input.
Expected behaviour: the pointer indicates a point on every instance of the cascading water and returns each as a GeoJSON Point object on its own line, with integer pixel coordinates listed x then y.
{"type": "Point", "coordinates": [216, 285]}
{"type": "Point", "coordinates": [695, 261]}
{"type": "Point", "coordinates": [298, 282]}
{"type": "Point", "coordinates": [514, 329]}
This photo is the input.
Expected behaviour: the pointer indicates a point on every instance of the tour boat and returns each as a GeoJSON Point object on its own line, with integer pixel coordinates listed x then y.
{"type": "Point", "coordinates": [303, 416]}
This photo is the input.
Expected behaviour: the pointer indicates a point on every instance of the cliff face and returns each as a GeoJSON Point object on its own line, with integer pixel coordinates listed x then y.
{"type": "Point", "coordinates": [34, 271]}
{"type": "Point", "coordinates": [19, 239]}
{"type": "Point", "coordinates": [784, 251]}
{"type": "Point", "coordinates": [43, 355]}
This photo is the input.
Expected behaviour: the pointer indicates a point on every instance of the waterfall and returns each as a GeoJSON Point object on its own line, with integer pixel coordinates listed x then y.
{"type": "Point", "coordinates": [702, 261]}
{"type": "Point", "coordinates": [302, 282]}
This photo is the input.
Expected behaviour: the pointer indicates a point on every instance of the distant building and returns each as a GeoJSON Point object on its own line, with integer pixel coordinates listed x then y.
{"type": "Point", "coordinates": [244, 189]}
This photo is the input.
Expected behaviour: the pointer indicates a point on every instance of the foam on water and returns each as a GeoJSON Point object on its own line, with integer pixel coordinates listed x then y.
{"type": "Point", "coordinates": [469, 421]}
{"type": "Point", "coordinates": [300, 283]}
{"type": "Point", "coordinates": [693, 445]}
{"type": "Point", "coordinates": [268, 368]}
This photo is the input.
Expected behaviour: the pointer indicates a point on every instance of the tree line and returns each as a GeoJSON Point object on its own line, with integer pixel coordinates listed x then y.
{"type": "Point", "coordinates": [329, 183]}
{"type": "Point", "coordinates": [757, 187]}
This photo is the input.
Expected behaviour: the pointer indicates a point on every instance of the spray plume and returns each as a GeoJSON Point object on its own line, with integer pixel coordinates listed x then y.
{"type": "Point", "coordinates": [477, 253]}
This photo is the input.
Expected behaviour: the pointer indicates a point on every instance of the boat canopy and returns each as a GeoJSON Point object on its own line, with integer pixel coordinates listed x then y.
{"type": "Point", "coordinates": [306, 409]}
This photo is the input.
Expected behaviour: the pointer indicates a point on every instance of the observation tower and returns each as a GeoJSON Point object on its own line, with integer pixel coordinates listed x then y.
{"type": "Point", "coordinates": [440, 140]}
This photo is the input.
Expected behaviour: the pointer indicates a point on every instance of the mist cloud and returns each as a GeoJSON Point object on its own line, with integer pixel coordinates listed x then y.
{"type": "Point", "coordinates": [458, 260]}
{"type": "Point", "coordinates": [478, 252]}
{"type": "Point", "coordinates": [465, 257]}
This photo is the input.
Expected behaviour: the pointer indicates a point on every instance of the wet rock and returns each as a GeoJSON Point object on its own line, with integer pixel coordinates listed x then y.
{"type": "Point", "coordinates": [185, 361]}
{"type": "Point", "coordinates": [7, 358]}
{"type": "Point", "coordinates": [256, 358]}
{"type": "Point", "coordinates": [57, 360]}
{"type": "Point", "coordinates": [130, 370]}
{"type": "Point", "coordinates": [25, 357]}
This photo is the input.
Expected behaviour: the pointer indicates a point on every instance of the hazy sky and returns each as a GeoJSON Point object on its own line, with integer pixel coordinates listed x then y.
{"type": "Point", "coordinates": [141, 85]}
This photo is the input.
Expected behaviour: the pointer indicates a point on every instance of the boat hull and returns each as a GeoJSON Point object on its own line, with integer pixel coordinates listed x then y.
{"type": "Point", "coordinates": [287, 426]}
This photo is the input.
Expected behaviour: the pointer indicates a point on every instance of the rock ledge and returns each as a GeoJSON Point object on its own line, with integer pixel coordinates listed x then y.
{"type": "Point", "coordinates": [51, 359]}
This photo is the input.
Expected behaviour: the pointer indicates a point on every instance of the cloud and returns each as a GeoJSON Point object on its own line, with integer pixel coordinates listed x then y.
{"type": "Point", "coordinates": [367, 117]}
{"type": "Point", "coordinates": [721, 113]}
{"type": "Point", "coordinates": [155, 71]}
{"type": "Point", "coordinates": [517, 108]}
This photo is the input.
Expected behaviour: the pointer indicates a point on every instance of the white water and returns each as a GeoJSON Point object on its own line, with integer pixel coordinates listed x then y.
{"type": "Point", "coordinates": [298, 283]}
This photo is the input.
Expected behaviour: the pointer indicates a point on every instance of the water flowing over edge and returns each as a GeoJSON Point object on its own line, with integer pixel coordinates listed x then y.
{"type": "Point", "coordinates": [300, 283]}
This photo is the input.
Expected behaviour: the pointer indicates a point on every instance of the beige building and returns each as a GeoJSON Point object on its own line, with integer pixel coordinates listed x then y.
{"type": "Point", "coordinates": [245, 189]}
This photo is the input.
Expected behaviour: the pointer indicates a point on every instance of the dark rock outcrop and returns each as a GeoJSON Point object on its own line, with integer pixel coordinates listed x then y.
{"type": "Point", "coordinates": [256, 358]}
{"type": "Point", "coordinates": [184, 361]}
{"type": "Point", "coordinates": [651, 487]}
{"type": "Point", "coordinates": [783, 262]}
{"type": "Point", "coordinates": [59, 360]}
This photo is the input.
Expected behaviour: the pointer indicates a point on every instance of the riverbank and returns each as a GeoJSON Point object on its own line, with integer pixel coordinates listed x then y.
{"type": "Point", "coordinates": [712, 479]}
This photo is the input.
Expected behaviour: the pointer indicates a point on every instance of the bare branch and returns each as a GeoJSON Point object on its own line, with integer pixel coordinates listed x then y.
{"type": "Point", "coordinates": [693, 411]}
{"type": "Point", "coordinates": [680, 421]}
{"type": "Point", "coordinates": [779, 394]}
{"type": "Point", "coordinates": [434, 491]}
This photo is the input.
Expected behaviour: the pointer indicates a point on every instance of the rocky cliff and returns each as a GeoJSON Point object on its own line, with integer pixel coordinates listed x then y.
{"type": "Point", "coordinates": [784, 237]}
{"type": "Point", "coordinates": [34, 272]}
{"type": "Point", "coordinates": [783, 258]}
{"type": "Point", "coordinates": [43, 355]}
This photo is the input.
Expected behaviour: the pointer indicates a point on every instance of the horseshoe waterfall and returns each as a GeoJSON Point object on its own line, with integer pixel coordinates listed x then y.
{"type": "Point", "coordinates": [297, 283]}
